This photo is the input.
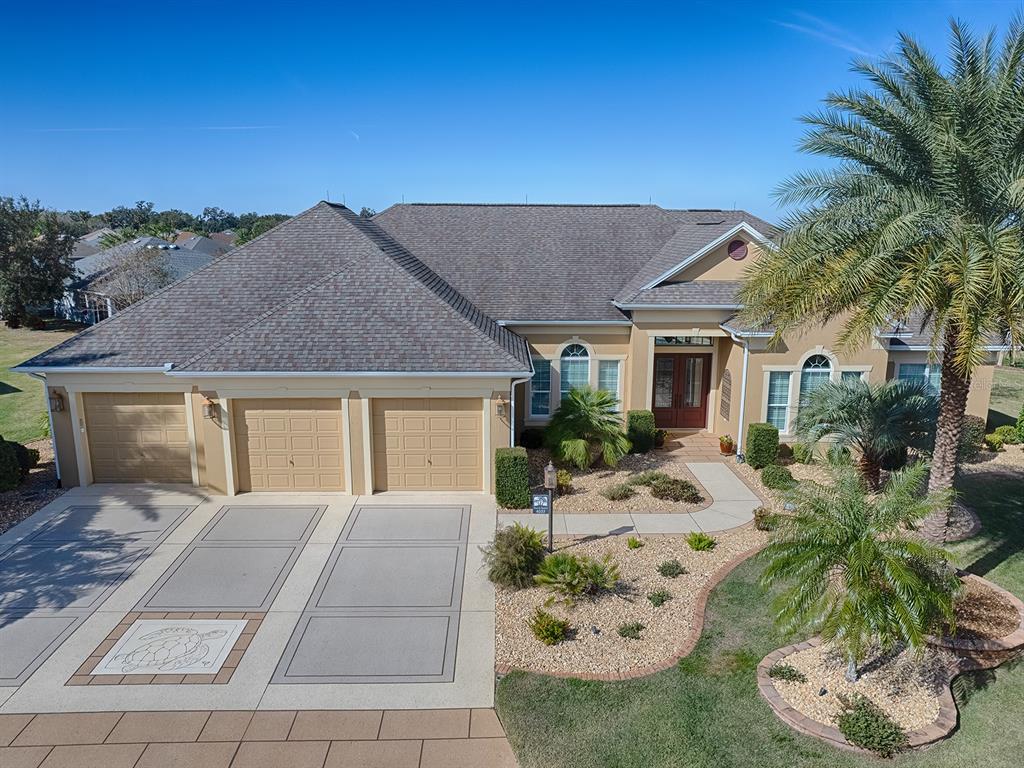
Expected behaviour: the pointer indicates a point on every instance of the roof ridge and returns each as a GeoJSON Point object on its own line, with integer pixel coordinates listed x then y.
{"type": "Point", "coordinates": [511, 344]}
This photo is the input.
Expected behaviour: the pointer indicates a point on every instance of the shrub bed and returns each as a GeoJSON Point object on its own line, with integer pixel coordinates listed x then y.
{"type": "Point", "coordinates": [512, 478]}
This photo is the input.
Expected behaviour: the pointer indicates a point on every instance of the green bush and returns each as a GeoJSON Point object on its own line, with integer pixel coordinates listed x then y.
{"type": "Point", "coordinates": [660, 436]}
{"type": "Point", "coordinates": [634, 543]}
{"type": "Point", "coordinates": [572, 576]}
{"type": "Point", "coordinates": [648, 477]}
{"type": "Point", "coordinates": [676, 489]}
{"type": "Point", "coordinates": [994, 442]}
{"type": "Point", "coordinates": [618, 492]}
{"type": "Point", "coordinates": [777, 478]}
{"type": "Point", "coordinates": [27, 458]}
{"type": "Point", "coordinates": [762, 445]}
{"type": "Point", "coordinates": [10, 470]}
{"type": "Point", "coordinates": [1009, 433]}
{"type": "Point", "coordinates": [547, 628]}
{"type": "Point", "coordinates": [803, 453]}
{"type": "Point", "coordinates": [700, 542]}
{"type": "Point", "coordinates": [868, 727]}
{"type": "Point", "coordinates": [564, 482]}
{"type": "Point", "coordinates": [659, 597]}
{"type": "Point", "coordinates": [512, 478]}
{"type": "Point", "coordinates": [43, 424]}
{"type": "Point", "coordinates": [972, 437]}
{"type": "Point", "coordinates": [631, 630]}
{"type": "Point", "coordinates": [787, 672]}
{"type": "Point", "coordinates": [671, 568]}
{"type": "Point", "coordinates": [531, 437]}
{"type": "Point", "coordinates": [640, 430]}
{"type": "Point", "coordinates": [1020, 423]}
{"type": "Point", "coordinates": [514, 557]}
{"type": "Point", "coordinates": [765, 519]}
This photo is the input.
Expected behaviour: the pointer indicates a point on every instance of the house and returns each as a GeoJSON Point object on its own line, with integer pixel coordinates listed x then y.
{"type": "Point", "coordinates": [340, 353]}
{"type": "Point", "coordinates": [92, 296]}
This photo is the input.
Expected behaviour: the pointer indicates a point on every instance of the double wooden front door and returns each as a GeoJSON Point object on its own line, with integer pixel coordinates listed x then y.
{"type": "Point", "coordinates": [681, 386]}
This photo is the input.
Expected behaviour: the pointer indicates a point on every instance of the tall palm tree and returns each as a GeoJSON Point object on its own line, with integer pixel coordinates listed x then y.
{"type": "Point", "coordinates": [856, 574]}
{"type": "Point", "coordinates": [878, 420]}
{"type": "Point", "coordinates": [585, 426]}
{"type": "Point", "coordinates": [920, 221]}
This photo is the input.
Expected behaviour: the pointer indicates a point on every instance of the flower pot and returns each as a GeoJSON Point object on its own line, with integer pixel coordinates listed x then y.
{"type": "Point", "coordinates": [727, 447]}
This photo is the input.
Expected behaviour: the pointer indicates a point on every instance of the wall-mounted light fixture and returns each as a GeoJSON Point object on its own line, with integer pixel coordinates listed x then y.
{"type": "Point", "coordinates": [209, 408]}
{"type": "Point", "coordinates": [56, 402]}
{"type": "Point", "coordinates": [500, 406]}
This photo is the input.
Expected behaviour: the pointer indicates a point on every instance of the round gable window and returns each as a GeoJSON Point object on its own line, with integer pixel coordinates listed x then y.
{"type": "Point", "coordinates": [737, 250]}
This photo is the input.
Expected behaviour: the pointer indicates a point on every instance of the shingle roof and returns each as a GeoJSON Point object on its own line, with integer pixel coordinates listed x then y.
{"type": "Point", "coordinates": [702, 293]}
{"type": "Point", "coordinates": [916, 333]}
{"type": "Point", "coordinates": [325, 291]}
{"type": "Point", "coordinates": [179, 262]}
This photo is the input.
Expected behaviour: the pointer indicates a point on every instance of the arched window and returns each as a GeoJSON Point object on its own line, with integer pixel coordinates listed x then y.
{"type": "Point", "coordinates": [575, 370]}
{"type": "Point", "coordinates": [816, 371]}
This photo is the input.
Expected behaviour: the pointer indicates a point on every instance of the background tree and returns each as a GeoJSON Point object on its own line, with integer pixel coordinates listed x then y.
{"type": "Point", "coordinates": [252, 225]}
{"type": "Point", "coordinates": [123, 217]}
{"type": "Point", "coordinates": [214, 219]}
{"type": "Point", "coordinates": [35, 258]}
{"type": "Point", "coordinates": [920, 218]}
{"type": "Point", "coordinates": [131, 274]}
{"type": "Point", "coordinates": [367, 213]}
{"type": "Point", "coordinates": [854, 572]}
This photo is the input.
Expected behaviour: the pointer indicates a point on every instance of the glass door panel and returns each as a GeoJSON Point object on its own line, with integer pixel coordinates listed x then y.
{"type": "Point", "coordinates": [664, 382]}
{"type": "Point", "coordinates": [692, 390]}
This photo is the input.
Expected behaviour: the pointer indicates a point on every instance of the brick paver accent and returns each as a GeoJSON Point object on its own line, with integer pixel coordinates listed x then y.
{"type": "Point", "coordinates": [453, 738]}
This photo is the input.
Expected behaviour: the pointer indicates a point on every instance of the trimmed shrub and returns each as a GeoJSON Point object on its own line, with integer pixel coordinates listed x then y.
{"type": "Point", "coordinates": [867, 726]}
{"type": "Point", "coordinates": [514, 557]}
{"type": "Point", "coordinates": [618, 492]}
{"type": "Point", "coordinates": [572, 576]}
{"type": "Point", "coordinates": [700, 542]}
{"type": "Point", "coordinates": [634, 543]}
{"type": "Point", "coordinates": [647, 477]}
{"type": "Point", "coordinates": [640, 430]}
{"type": "Point", "coordinates": [676, 489]}
{"type": "Point", "coordinates": [564, 482]}
{"type": "Point", "coordinates": [765, 519]}
{"type": "Point", "coordinates": [994, 442]}
{"type": "Point", "coordinates": [512, 478]}
{"type": "Point", "coordinates": [803, 453]}
{"type": "Point", "coordinates": [10, 470]}
{"type": "Point", "coordinates": [762, 445]}
{"type": "Point", "coordinates": [972, 437]}
{"type": "Point", "coordinates": [531, 437]}
{"type": "Point", "coordinates": [777, 478]}
{"type": "Point", "coordinates": [787, 672]}
{"type": "Point", "coordinates": [27, 458]}
{"type": "Point", "coordinates": [547, 628]}
{"type": "Point", "coordinates": [659, 597]}
{"type": "Point", "coordinates": [1009, 433]}
{"type": "Point", "coordinates": [671, 568]}
{"type": "Point", "coordinates": [631, 630]}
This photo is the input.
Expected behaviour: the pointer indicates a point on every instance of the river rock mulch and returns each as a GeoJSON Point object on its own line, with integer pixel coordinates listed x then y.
{"type": "Point", "coordinates": [667, 629]}
{"type": "Point", "coordinates": [586, 498]}
{"type": "Point", "coordinates": [38, 490]}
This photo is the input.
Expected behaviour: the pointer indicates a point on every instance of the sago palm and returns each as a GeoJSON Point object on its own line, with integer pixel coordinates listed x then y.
{"type": "Point", "coordinates": [587, 425]}
{"type": "Point", "coordinates": [877, 420]}
{"type": "Point", "coordinates": [920, 221]}
{"type": "Point", "coordinates": [854, 573]}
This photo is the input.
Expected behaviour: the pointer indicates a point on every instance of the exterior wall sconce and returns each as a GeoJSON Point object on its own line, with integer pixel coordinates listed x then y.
{"type": "Point", "coordinates": [209, 408]}
{"type": "Point", "coordinates": [500, 406]}
{"type": "Point", "coordinates": [56, 402]}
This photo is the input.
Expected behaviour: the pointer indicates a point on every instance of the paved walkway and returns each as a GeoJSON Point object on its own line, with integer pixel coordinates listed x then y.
{"type": "Point", "coordinates": [452, 738]}
{"type": "Point", "coordinates": [733, 505]}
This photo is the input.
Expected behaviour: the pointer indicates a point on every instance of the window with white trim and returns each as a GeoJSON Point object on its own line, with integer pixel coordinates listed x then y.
{"type": "Point", "coordinates": [778, 399]}
{"type": "Point", "coordinates": [922, 372]}
{"type": "Point", "coordinates": [608, 376]}
{"type": "Point", "coordinates": [575, 369]}
{"type": "Point", "coordinates": [817, 370]}
{"type": "Point", "coordinates": [851, 376]}
{"type": "Point", "coordinates": [540, 388]}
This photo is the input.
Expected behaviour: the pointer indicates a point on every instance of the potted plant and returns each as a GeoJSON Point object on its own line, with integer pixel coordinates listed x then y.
{"type": "Point", "coordinates": [726, 445]}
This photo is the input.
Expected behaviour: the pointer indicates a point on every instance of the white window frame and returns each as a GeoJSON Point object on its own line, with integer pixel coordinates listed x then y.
{"type": "Point", "coordinates": [530, 415]}
{"type": "Point", "coordinates": [789, 398]}
{"type": "Point", "coordinates": [929, 370]}
{"type": "Point", "coordinates": [618, 378]}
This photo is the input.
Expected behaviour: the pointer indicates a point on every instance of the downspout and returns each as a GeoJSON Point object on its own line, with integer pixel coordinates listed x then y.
{"type": "Point", "coordinates": [49, 416]}
{"type": "Point", "coordinates": [512, 404]}
{"type": "Point", "coordinates": [743, 394]}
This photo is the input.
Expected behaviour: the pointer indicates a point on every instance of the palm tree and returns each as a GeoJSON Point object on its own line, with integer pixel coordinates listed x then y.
{"type": "Point", "coordinates": [858, 576]}
{"type": "Point", "coordinates": [919, 222]}
{"type": "Point", "coordinates": [587, 424]}
{"type": "Point", "coordinates": [879, 420]}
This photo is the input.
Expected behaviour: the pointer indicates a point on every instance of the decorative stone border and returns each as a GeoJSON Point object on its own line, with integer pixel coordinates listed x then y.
{"type": "Point", "coordinates": [696, 629]}
{"type": "Point", "coordinates": [83, 675]}
{"type": "Point", "coordinates": [970, 655]}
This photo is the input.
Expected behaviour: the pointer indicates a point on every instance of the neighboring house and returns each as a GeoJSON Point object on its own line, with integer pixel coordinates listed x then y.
{"type": "Point", "coordinates": [92, 296]}
{"type": "Point", "coordinates": [201, 244]}
{"type": "Point", "coordinates": [340, 353]}
{"type": "Point", "coordinates": [227, 237]}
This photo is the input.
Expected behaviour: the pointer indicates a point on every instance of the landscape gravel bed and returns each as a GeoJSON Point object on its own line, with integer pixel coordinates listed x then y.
{"type": "Point", "coordinates": [666, 629]}
{"type": "Point", "coordinates": [902, 684]}
{"type": "Point", "coordinates": [983, 613]}
{"type": "Point", "coordinates": [587, 484]}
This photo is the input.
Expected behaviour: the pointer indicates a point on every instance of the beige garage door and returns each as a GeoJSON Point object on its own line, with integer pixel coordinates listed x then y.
{"type": "Point", "coordinates": [289, 444]}
{"type": "Point", "coordinates": [432, 444]}
{"type": "Point", "coordinates": [137, 437]}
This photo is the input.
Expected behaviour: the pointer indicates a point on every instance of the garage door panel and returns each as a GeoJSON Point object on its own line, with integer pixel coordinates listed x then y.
{"type": "Point", "coordinates": [291, 444]}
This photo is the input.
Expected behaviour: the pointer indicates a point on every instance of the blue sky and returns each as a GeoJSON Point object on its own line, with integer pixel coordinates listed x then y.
{"type": "Point", "coordinates": [273, 106]}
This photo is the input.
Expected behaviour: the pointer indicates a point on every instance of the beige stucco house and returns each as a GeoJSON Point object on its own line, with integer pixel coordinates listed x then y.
{"type": "Point", "coordinates": [339, 353]}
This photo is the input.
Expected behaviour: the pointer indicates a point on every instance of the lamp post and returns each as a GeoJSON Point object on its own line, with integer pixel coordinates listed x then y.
{"type": "Point", "coordinates": [550, 484]}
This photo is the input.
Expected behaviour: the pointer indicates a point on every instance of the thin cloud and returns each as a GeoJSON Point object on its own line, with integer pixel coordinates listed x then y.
{"type": "Point", "coordinates": [355, 135]}
{"type": "Point", "coordinates": [825, 31]}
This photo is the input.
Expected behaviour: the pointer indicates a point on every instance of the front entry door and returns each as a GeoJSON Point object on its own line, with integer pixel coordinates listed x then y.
{"type": "Point", "coordinates": [681, 386]}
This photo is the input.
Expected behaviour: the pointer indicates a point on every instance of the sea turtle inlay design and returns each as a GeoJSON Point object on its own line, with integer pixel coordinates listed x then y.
{"type": "Point", "coordinates": [169, 649]}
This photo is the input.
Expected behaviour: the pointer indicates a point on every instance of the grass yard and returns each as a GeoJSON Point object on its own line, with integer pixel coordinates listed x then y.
{"type": "Point", "coordinates": [706, 712]}
{"type": "Point", "coordinates": [1007, 396]}
{"type": "Point", "coordinates": [22, 410]}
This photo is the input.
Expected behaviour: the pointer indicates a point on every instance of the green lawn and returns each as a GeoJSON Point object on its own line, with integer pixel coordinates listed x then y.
{"type": "Point", "coordinates": [1007, 396]}
{"type": "Point", "coordinates": [706, 712]}
{"type": "Point", "coordinates": [22, 410]}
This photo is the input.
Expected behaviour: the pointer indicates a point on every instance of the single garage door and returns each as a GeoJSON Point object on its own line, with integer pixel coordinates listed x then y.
{"type": "Point", "coordinates": [289, 444]}
{"type": "Point", "coordinates": [431, 444]}
{"type": "Point", "coordinates": [137, 437]}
